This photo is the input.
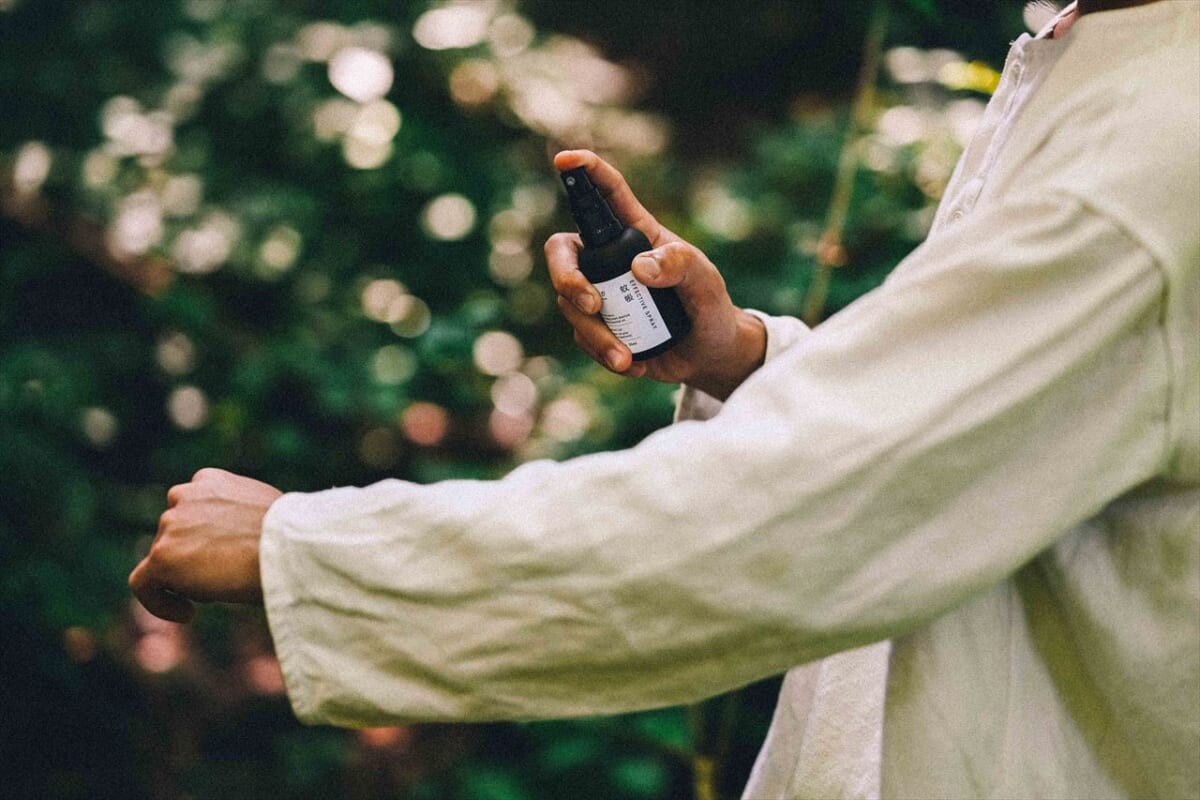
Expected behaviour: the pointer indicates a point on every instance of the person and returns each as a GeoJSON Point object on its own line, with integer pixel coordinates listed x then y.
{"type": "Point", "coordinates": [963, 513]}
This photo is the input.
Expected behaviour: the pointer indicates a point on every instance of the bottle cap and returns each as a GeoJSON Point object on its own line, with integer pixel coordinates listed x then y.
{"type": "Point", "coordinates": [597, 223]}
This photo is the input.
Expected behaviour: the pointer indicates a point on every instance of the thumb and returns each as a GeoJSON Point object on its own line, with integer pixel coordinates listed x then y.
{"type": "Point", "coordinates": [669, 265]}
{"type": "Point", "coordinates": [682, 267]}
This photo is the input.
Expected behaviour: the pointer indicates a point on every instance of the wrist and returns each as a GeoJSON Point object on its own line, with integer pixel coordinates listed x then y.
{"type": "Point", "coordinates": [748, 352]}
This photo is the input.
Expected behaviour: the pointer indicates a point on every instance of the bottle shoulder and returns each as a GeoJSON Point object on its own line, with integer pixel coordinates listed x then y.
{"type": "Point", "coordinates": [612, 259]}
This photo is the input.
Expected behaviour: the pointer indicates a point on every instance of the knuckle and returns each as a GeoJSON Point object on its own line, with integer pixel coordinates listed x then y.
{"type": "Point", "coordinates": [206, 474]}
{"type": "Point", "coordinates": [160, 553]}
{"type": "Point", "coordinates": [678, 254]}
{"type": "Point", "coordinates": [166, 522]}
{"type": "Point", "coordinates": [558, 248]}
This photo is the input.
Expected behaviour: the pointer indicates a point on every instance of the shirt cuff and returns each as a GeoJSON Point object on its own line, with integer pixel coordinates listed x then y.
{"type": "Point", "coordinates": [782, 333]}
{"type": "Point", "coordinates": [279, 600]}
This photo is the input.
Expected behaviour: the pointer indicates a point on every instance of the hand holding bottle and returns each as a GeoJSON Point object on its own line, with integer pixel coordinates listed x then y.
{"type": "Point", "coordinates": [725, 343]}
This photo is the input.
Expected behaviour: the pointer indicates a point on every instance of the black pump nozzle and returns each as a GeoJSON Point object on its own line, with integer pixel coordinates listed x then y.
{"type": "Point", "coordinates": [598, 225]}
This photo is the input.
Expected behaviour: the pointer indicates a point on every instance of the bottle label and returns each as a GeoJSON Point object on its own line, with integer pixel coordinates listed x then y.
{"type": "Point", "coordinates": [630, 313]}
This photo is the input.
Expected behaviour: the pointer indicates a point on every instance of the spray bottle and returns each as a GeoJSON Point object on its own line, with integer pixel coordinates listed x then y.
{"type": "Point", "coordinates": [648, 321]}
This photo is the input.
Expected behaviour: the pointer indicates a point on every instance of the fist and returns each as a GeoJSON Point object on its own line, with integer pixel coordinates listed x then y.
{"type": "Point", "coordinates": [206, 548]}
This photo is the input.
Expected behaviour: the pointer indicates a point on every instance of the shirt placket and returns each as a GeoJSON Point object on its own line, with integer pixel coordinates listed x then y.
{"type": "Point", "coordinates": [1025, 61]}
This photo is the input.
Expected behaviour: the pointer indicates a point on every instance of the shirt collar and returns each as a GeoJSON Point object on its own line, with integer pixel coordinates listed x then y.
{"type": "Point", "coordinates": [1047, 31]}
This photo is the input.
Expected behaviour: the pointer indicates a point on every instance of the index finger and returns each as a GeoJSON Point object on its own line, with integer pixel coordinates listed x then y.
{"type": "Point", "coordinates": [562, 257]}
{"type": "Point", "coordinates": [158, 599]}
{"type": "Point", "coordinates": [612, 185]}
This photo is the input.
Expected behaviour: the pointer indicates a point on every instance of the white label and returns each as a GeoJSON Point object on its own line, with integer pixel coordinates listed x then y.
{"type": "Point", "coordinates": [629, 312]}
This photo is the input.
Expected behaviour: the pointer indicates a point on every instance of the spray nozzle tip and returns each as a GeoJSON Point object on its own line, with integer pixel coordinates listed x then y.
{"type": "Point", "coordinates": [596, 221]}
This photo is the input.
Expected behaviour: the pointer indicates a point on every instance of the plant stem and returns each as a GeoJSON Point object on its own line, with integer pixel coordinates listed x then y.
{"type": "Point", "coordinates": [831, 251]}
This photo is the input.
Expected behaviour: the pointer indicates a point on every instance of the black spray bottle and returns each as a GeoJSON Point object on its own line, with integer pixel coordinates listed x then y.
{"type": "Point", "coordinates": [648, 321]}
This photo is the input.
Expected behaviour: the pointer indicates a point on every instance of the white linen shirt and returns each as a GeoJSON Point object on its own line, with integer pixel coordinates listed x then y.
{"type": "Point", "coordinates": [992, 461]}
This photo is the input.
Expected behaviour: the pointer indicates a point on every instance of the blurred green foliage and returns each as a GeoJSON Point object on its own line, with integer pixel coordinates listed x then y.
{"type": "Point", "coordinates": [301, 241]}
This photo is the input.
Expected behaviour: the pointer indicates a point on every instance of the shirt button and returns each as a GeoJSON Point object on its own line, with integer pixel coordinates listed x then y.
{"type": "Point", "coordinates": [957, 215]}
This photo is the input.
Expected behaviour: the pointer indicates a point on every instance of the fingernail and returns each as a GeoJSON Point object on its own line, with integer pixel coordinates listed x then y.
{"type": "Point", "coordinates": [648, 266]}
{"type": "Point", "coordinates": [611, 357]}
{"type": "Point", "coordinates": [585, 302]}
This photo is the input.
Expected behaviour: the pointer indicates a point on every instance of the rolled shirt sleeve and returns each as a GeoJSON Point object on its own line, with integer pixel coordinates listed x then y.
{"type": "Point", "coordinates": [1005, 382]}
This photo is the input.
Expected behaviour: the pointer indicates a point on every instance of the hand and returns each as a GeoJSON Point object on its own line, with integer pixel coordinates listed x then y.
{"type": "Point", "coordinates": [726, 344]}
{"type": "Point", "coordinates": [207, 545]}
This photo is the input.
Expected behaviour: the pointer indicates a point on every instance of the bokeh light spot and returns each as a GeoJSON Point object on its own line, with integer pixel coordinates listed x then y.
{"type": "Point", "coordinates": [497, 352]}
{"type": "Point", "coordinates": [392, 365]}
{"type": "Point", "coordinates": [415, 320]}
{"type": "Point", "coordinates": [566, 419]}
{"type": "Point", "coordinates": [643, 134]}
{"type": "Point", "coordinates": [365, 155]}
{"type": "Point", "coordinates": [425, 424]}
{"type": "Point", "coordinates": [181, 195]}
{"type": "Point", "coordinates": [723, 214]}
{"type": "Point", "coordinates": [461, 24]}
{"type": "Point", "coordinates": [99, 426]}
{"type": "Point", "coordinates": [509, 430]}
{"type": "Point", "coordinates": [376, 123]}
{"type": "Point", "coordinates": [384, 738]}
{"type": "Point", "coordinates": [514, 393]}
{"type": "Point", "coordinates": [332, 118]}
{"type": "Point", "coordinates": [510, 268]}
{"type": "Point", "coordinates": [99, 168]}
{"type": "Point", "coordinates": [80, 644]}
{"type": "Point", "coordinates": [132, 133]}
{"type": "Point", "coordinates": [473, 82]}
{"type": "Point", "coordinates": [175, 353]}
{"type": "Point", "coordinates": [964, 116]}
{"type": "Point", "coordinates": [509, 35]}
{"type": "Point", "coordinates": [318, 41]}
{"type": "Point", "coordinates": [448, 217]}
{"type": "Point", "coordinates": [32, 167]}
{"type": "Point", "coordinates": [159, 651]}
{"type": "Point", "coordinates": [187, 407]}
{"type": "Point", "coordinates": [383, 299]}
{"type": "Point", "coordinates": [280, 249]}
{"type": "Point", "coordinates": [907, 65]}
{"type": "Point", "coordinates": [903, 125]}
{"type": "Point", "coordinates": [138, 225]}
{"type": "Point", "coordinates": [205, 248]}
{"type": "Point", "coordinates": [361, 74]}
